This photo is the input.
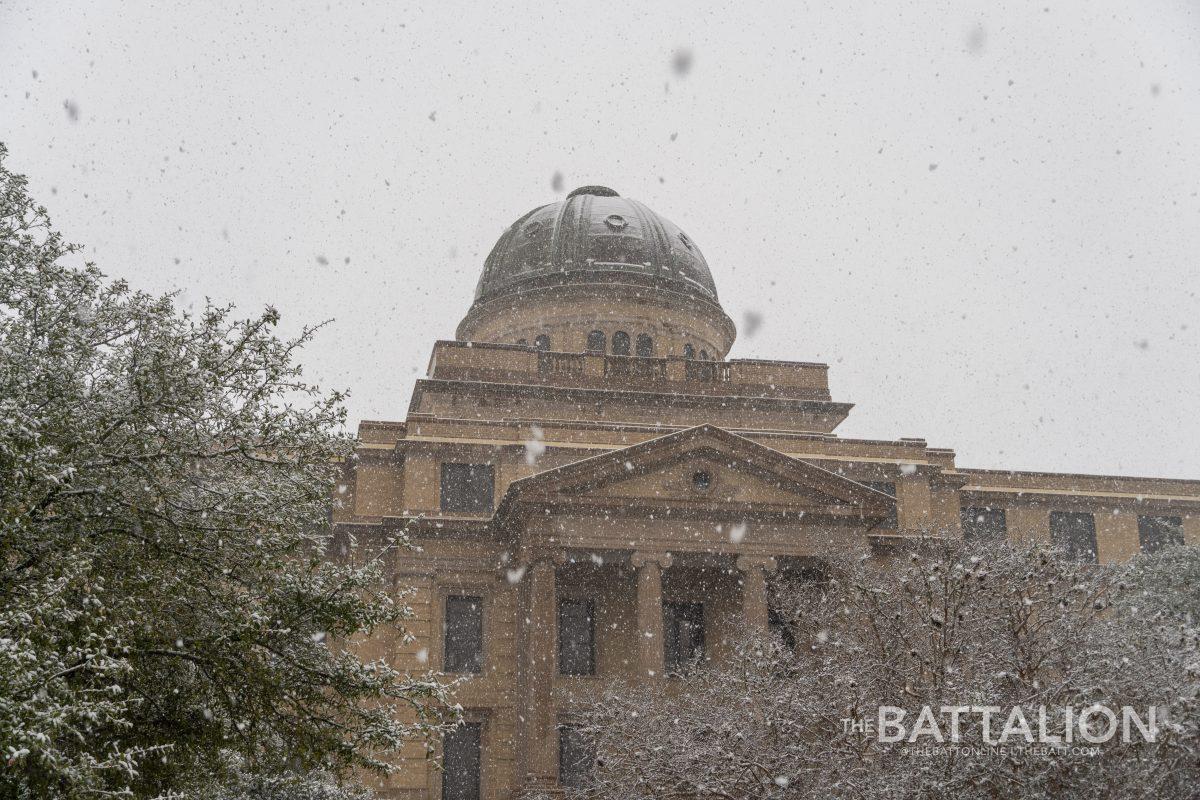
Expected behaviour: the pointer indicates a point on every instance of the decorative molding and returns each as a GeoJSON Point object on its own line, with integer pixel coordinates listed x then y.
{"type": "Point", "coordinates": [640, 558]}
{"type": "Point", "coordinates": [747, 563]}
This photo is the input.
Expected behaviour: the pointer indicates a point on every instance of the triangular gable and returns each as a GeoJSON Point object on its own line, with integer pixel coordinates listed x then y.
{"type": "Point", "coordinates": [743, 474]}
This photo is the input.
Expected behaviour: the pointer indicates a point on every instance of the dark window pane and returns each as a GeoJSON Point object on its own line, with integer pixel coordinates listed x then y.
{"type": "Point", "coordinates": [683, 635]}
{"type": "Point", "coordinates": [576, 637]}
{"type": "Point", "coordinates": [1155, 533]}
{"type": "Point", "coordinates": [888, 488]}
{"type": "Point", "coordinates": [689, 351]}
{"type": "Point", "coordinates": [984, 525]}
{"type": "Point", "coordinates": [596, 341]}
{"type": "Point", "coordinates": [620, 343]}
{"type": "Point", "coordinates": [781, 628]}
{"type": "Point", "coordinates": [464, 634]}
{"type": "Point", "coordinates": [467, 487]}
{"type": "Point", "coordinates": [460, 762]}
{"type": "Point", "coordinates": [1075, 533]}
{"type": "Point", "coordinates": [576, 755]}
{"type": "Point", "coordinates": [542, 342]}
{"type": "Point", "coordinates": [645, 346]}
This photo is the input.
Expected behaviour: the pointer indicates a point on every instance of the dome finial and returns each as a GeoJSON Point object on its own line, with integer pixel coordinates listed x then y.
{"type": "Point", "coordinates": [598, 191]}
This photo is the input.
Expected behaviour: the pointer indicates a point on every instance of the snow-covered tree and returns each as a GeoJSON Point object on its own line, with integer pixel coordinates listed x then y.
{"type": "Point", "coordinates": [312, 785]}
{"type": "Point", "coordinates": [166, 593]}
{"type": "Point", "coordinates": [947, 625]}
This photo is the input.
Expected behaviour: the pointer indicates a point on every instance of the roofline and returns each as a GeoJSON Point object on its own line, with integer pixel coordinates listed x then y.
{"type": "Point", "coordinates": [969, 471]}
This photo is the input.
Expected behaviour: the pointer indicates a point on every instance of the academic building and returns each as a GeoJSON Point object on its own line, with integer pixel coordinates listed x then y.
{"type": "Point", "coordinates": [598, 493]}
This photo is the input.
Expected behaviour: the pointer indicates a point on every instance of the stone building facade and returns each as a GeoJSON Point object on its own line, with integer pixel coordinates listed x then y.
{"type": "Point", "coordinates": [598, 494]}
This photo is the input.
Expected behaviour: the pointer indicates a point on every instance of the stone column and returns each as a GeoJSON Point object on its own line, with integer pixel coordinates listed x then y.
{"type": "Point", "coordinates": [754, 569]}
{"type": "Point", "coordinates": [538, 663]}
{"type": "Point", "coordinates": [650, 612]}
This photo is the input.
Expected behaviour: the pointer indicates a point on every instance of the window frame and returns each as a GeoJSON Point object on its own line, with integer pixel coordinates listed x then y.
{"type": "Point", "coordinates": [1168, 533]}
{"type": "Point", "coordinates": [1068, 545]}
{"type": "Point", "coordinates": [589, 607]}
{"type": "Point", "coordinates": [479, 507]}
{"type": "Point", "coordinates": [587, 755]}
{"type": "Point", "coordinates": [620, 343]}
{"type": "Point", "coordinates": [480, 659]}
{"type": "Point", "coordinates": [480, 726]}
{"type": "Point", "coordinates": [989, 532]}
{"type": "Point", "coordinates": [644, 346]}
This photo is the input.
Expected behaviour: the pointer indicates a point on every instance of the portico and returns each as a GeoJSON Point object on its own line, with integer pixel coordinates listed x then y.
{"type": "Point", "coordinates": [675, 575]}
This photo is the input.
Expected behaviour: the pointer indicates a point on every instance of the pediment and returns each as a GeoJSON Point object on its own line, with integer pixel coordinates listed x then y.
{"type": "Point", "coordinates": [701, 470]}
{"type": "Point", "coordinates": [705, 476]}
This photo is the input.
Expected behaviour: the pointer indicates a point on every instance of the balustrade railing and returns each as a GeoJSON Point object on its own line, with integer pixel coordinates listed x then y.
{"type": "Point", "coordinates": [706, 371]}
{"type": "Point", "coordinates": [567, 365]}
{"type": "Point", "coordinates": [635, 368]}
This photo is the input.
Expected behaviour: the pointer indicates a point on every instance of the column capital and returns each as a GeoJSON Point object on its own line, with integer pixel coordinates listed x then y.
{"type": "Point", "coordinates": [748, 563]}
{"type": "Point", "coordinates": [530, 555]}
{"type": "Point", "coordinates": [640, 559]}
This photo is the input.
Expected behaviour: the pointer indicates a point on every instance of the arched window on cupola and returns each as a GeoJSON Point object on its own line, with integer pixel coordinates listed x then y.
{"type": "Point", "coordinates": [620, 343]}
{"type": "Point", "coordinates": [689, 351]}
{"type": "Point", "coordinates": [704, 355]}
{"type": "Point", "coordinates": [645, 345]}
{"type": "Point", "coordinates": [596, 342]}
{"type": "Point", "coordinates": [542, 342]}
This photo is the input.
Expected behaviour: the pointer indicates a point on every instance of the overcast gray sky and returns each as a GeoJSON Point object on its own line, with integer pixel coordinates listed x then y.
{"type": "Point", "coordinates": [984, 216]}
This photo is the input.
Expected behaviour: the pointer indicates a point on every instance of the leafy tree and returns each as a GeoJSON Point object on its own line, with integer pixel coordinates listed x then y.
{"type": "Point", "coordinates": [945, 626]}
{"type": "Point", "coordinates": [166, 590]}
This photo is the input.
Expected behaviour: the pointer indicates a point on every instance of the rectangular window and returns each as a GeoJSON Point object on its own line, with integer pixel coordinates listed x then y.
{"type": "Point", "coordinates": [1075, 533]}
{"type": "Point", "coordinates": [468, 487]}
{"type": "Point", "coordinates": [888, 488]}
{"type": "Point", "coordinates": [463, 632]}
{"type": "Point", "coordinates": [1155, 533]}
{"type": "Point", "coordinates": [576, 755]}
{"type": "Point", "coordinates": [461, 762]}
{"type": "Point", "coordinates": [683, 635]}
{"type": "Point", "coordinates": [984, 525]}
{"type": "Point", "coordinates": [576, 637]}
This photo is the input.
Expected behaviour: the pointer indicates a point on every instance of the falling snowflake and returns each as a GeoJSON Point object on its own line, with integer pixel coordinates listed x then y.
{"type": "Point", "coordinates": [535, 446]}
